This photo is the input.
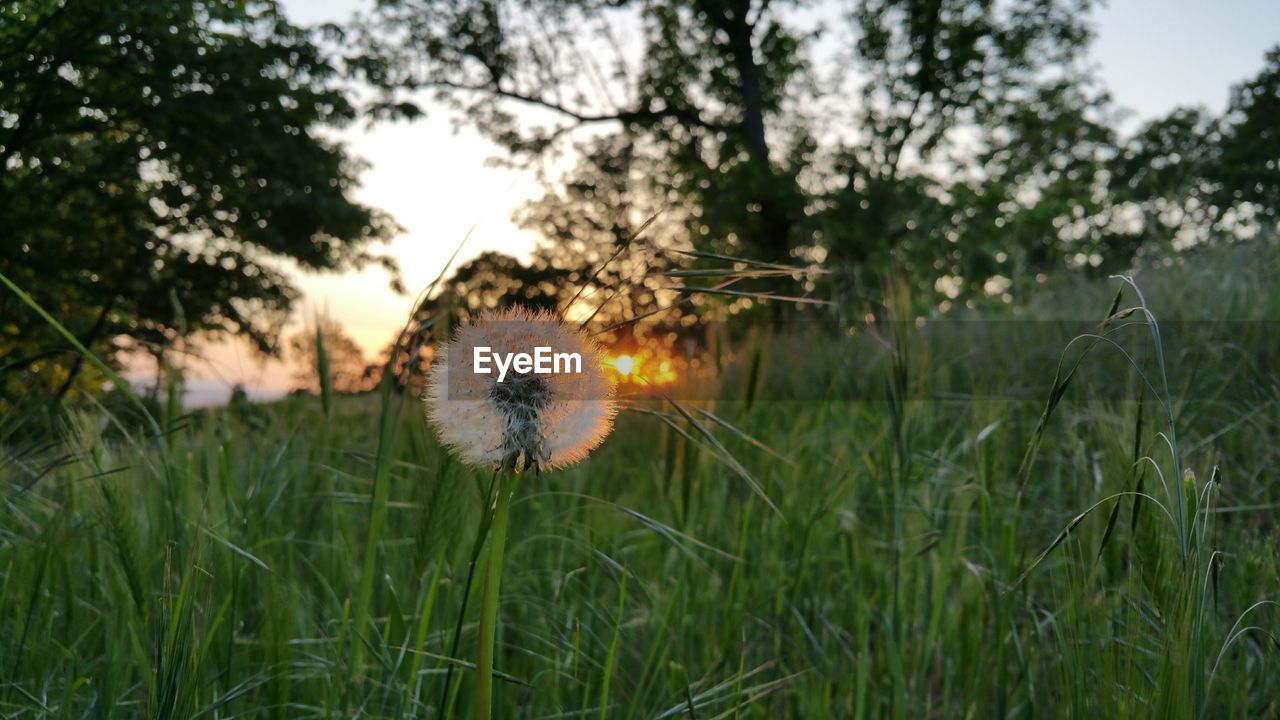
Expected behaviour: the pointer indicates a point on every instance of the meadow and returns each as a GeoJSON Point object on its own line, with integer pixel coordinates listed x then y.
{"type": "Point", "coordinates": [835, 531]}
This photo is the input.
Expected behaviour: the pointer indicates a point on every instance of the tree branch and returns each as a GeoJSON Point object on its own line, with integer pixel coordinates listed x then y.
{"type": "Point", "coordinates": [622, 116]}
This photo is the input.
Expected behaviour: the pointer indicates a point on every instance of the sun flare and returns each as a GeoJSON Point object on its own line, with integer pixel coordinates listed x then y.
{"type": "Point", "coordinates": [644, 367]}
{"type": "Point", "coordinates": [624, 364]}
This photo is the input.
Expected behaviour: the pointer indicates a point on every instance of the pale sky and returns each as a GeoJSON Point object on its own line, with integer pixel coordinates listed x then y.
{"type": "Point", "coordinates": [1153, 55]}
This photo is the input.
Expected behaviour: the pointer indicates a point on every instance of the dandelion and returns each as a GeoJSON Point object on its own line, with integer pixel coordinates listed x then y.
{"type": "Point", "coordinates": [530, 421]}
{"type": "Point", "coordinates": [521, 420]}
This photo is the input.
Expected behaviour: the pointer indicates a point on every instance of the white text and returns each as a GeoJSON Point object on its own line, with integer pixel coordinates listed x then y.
{"type": "Point", "coordinates": [541, 362]}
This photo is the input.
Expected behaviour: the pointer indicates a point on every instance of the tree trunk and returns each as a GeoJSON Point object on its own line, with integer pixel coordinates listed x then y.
{"type": "Point", "coordinates": [774, 234]}
{"type": "Point", "coordinates": [749, 78]}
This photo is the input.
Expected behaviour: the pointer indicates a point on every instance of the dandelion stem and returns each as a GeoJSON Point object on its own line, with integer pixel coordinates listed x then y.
{"type": "Point", "coordinates": [489, 605]}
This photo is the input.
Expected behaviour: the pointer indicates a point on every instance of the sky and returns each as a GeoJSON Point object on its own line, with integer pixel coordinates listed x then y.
{"type": "Point", "coordinates": [438, 184]}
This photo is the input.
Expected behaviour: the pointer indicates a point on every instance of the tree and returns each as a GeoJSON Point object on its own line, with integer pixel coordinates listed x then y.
{"type": "Point", "coordinates": [1203, 177]}
{"type": "Point", "coordinates": [742, 117]}
{"type": "Point", "coordinates": [1250, 144]}
{"type": "Point", "coordinates": [962, 141]}
{"type": "Point", "coordinates": [609, 233]}
{"type": "Point", "coordinates": [707, 93]}
{"type": "Point", "coordinates": [160, 166]}
{"type": "Point", "coordinates": [493, 280]}
{"type": "Point", "coordinates": [604, 245]}
{"type": "Point", "coordinates": [967, 104]}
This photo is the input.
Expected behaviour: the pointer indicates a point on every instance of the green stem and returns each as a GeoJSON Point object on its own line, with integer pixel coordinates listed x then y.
{"type": "Point", "coordinates": [489, 606]}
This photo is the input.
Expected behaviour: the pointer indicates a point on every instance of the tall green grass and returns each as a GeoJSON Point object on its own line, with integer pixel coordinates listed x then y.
{"type": "Point", "coordinates": [278, 561]}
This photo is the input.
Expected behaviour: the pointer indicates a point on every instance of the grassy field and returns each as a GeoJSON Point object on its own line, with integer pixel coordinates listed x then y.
{"type": "Point", "coordinates": [277, 562]}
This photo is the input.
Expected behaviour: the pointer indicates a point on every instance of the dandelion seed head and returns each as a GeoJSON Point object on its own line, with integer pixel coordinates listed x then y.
{"type": "Point", "coordinates": [538, 421]}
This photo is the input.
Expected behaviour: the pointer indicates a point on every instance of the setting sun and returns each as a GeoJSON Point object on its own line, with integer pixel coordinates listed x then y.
{"type": "Point", "coordinates": [644, 366]}
{"type": "Point", "coordinates": [624, 364]}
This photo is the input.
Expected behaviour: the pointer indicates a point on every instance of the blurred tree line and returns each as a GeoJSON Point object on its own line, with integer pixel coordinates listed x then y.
{"type": "Point", "coordinates": [965, 142]}
{"type": "Point", "coordinates": [163, 166]}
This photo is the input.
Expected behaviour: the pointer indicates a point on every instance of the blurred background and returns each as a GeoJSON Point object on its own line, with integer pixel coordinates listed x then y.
{"type": "Point", "coordinates": [890, 442]}
{"type": "Point", "coordinates": [196, 187]}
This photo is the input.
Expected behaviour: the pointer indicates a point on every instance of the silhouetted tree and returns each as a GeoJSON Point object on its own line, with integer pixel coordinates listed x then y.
{"type": "Point", "coordinates": [611, 232]}
{"type": "Point", "coordinates": [708, 92]}
{"type": "Point", "coordinates": [604, 244]}
{"type": "Point", "coordinates": [494, 280]}
{"type": "Point", "coordinates": [966, 104]}
{"type": "Point", "coordinates": [970, 119]}
{"type": "Point", "coordinates": [158, 162]}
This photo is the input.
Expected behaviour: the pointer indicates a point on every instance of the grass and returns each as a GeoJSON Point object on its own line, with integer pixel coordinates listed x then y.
{"type": "Point", "coordinates": [890, 551]}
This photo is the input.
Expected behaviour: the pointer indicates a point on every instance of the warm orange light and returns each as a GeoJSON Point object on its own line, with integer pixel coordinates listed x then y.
{"type": "Point", "coordinates": [624, 364]}
{"type": "Point", "coordinates": [644, 366]}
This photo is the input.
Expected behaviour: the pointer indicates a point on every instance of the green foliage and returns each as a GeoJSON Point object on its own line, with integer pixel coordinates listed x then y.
{"type": "Point", "coordinates": [157, 152]}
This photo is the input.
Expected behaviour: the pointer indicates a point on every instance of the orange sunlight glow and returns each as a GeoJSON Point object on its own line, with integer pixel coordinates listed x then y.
{"type": "Point", "coordinates": [624, 364]}
{"type": "Point", "coordinates": [644, 366]}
